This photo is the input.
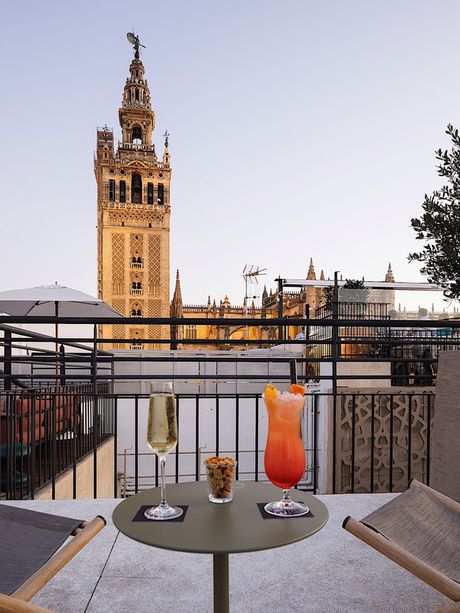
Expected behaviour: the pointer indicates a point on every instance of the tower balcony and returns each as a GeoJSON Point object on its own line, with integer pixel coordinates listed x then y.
{"type": "Point", "coordinates": [137, 265]}
{"type": "Point", "coordinates": [136, 292]}
{"type": "Point", "coordinates": [136, 147]}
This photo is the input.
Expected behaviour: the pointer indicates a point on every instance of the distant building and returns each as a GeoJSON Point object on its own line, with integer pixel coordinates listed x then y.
{"type": "Point", "coordinates": [307, 301]}
{"type": "Point", "coordinates": [133, 217]}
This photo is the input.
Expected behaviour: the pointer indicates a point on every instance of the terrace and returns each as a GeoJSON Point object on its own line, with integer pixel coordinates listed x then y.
{"type": "Point", "coordinates": [81, 434]}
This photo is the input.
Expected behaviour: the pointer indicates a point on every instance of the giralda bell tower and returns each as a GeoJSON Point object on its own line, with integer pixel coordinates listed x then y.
{"type": "Point", "coordinates": [133, 216]}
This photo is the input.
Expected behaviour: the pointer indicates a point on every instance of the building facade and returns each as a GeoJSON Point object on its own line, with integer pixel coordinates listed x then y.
{"type": "Point", "coordinates": [133, 217]}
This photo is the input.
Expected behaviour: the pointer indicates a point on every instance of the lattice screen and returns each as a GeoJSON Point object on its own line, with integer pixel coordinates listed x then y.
{"type": "Point", "coordinates": [154, 310]}
{"type": "Point", "coordinates": [118, 331]}
{"type": "Point", "coordinates": [154, 260]}
{"type": "Point", "coordinates": [373, 446]}
{"type": "Point", "coordinates": [118, 263]}
{"type": "Point", "coordinates": [136, 245]}
{"type": "Point", "coordinates": [119, 305]}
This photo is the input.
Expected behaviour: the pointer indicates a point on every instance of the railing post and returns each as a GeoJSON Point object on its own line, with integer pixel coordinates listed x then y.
{"type": "Point", "coordinates": [62, 365]}
{"type": "Point", "coordinates": [280, 309]}
{"type": "Point", "coordinates": [95, 405]}
{"type": "Point", "coordinates": [7, 353]}
{"type": "Point", "coordinates": [335, 355]}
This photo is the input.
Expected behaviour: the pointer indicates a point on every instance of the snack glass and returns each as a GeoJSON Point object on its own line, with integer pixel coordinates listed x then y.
{"type": "Point", "coordinates": [220, 472]}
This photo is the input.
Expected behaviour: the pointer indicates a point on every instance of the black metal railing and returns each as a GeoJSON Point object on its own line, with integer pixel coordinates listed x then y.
{"type": "Point", "coordinates": [46, 432]}
{"type": "Point", "coordinates": [224, 412]}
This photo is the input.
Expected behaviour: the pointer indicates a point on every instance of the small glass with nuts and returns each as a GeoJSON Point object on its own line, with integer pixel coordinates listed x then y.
{"type": "Point", "coordinates": [220, 472]}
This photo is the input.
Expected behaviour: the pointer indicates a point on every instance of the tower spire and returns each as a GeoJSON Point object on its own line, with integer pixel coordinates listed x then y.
{"type": "Point", "coordinates": [176, 305]}
{"type": "Point", "coordinates": [389, 277]}
{"type": "Point", "coordinates": [137, 119]}
{"type": "Point", "coordinates": [311, 271]}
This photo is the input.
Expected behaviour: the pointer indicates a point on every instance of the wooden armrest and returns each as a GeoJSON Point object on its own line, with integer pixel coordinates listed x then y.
{"type": "Point", "coordinates": [44, 574]}
{"type": "Point", "coordinates": [8, 604]}
{"type": "Point", "coordinates": [414, 565]}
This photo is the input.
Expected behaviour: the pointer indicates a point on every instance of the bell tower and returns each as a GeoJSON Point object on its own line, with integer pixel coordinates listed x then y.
{"type": "Point", "coordinates": [133, 217]}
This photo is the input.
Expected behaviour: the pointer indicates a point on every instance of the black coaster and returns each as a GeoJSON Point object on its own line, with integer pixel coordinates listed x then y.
{"type": "Point", "coordinates": [266, 515]}
{"type": "Point", "coordinates": [141, 517]}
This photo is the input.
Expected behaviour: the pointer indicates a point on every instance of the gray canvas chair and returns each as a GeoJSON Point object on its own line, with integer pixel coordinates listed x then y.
{"type": "Point", "coordinates": [420, 528]}
{"type": "Point", "coordinates": [31, 553]}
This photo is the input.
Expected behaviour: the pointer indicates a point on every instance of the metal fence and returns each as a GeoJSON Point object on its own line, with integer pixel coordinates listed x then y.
{"type": "Point", "coordinates": [44, 432]}
{"type": "Point", "coordinates": [57, 408]}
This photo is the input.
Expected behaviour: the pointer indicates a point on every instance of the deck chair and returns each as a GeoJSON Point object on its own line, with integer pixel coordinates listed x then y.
{"type": "Point", "coordinates": [29, 556]}
{"type": "Point", "coordinates": [420, 528]}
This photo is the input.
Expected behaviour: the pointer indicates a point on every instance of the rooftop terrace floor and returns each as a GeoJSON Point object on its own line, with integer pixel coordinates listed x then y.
{"type": "Point", "coordinates": [331, 571]}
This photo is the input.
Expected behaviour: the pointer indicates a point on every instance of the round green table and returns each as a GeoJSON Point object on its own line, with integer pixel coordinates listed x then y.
{"type": "Point", "coordinates": [219, 529]}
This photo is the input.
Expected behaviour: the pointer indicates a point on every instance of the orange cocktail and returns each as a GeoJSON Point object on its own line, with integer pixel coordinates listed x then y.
{"type": "Point", "coordinates": [284, 453]}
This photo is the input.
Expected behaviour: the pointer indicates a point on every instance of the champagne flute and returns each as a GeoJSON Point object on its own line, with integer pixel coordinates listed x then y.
{"type": "Point", "coordinates": [162, 438]}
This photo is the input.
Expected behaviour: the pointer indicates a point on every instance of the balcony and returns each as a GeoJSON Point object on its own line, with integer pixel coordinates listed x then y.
{"type": "Point", "coordinates": [136, 292]}
{"type": "Point", "coordinates": [60, 417]}
{"type": "Point", "coordinates": [328, 572]}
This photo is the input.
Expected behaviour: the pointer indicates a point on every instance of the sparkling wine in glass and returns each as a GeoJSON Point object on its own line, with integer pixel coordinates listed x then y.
{"type": "Point", "coordinates": [284, 453]}
{"type": "Point", "coordinates": [162, 438]}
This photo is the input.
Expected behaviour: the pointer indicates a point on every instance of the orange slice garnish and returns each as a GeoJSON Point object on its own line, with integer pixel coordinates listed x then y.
{"type": "Point", "coordinates": [297, 389]}
{"type": "Point", "coordinates": [270, 392]}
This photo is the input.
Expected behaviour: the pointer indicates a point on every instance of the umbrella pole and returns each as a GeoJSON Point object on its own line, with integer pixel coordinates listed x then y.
{"type": "Point", "coordinates": [56, 332]}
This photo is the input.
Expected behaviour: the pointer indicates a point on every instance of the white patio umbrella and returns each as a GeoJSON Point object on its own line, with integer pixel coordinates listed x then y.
{"type": "Point", "coordinates": [53, 301]}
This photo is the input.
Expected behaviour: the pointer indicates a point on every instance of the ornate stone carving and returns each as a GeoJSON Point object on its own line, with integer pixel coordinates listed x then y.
{"type": "Point", "coordinates": [136, 245]}
{"type": "Point", "coordinates": [376, 439]}
{"type": "Point", "coordinates": [118, 263]}
{"type": "Point", "coordinates": [154, 261]}
{"type": "Point", "coordinates": [154, 310]}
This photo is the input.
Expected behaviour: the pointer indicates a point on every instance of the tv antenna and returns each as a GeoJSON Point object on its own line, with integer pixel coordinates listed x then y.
{"type": "Point", "coordinates": [134, 40]}
{"type": "Point", "coordinates": [251, 274]}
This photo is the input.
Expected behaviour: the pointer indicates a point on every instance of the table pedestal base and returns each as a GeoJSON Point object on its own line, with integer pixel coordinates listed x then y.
{"type": "Point", "coordinates": [221, 586]}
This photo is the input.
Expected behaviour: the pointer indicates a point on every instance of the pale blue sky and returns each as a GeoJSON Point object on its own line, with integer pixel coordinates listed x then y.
{"type": "Point", "coordinates": [298, 129]}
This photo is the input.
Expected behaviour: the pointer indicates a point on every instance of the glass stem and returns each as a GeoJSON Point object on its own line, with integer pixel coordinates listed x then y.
{"type": "Point", "coordinates": [163, 502]}
{"type": "Point", "coordinates": [286, 499]}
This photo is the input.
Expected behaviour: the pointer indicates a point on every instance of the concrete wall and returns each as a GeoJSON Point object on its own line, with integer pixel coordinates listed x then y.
{"type": "Point", "coordinates": [85, 473]}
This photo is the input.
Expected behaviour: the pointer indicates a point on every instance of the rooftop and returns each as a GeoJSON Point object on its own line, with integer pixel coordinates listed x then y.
{"type": "Point", "coordinates": [329, 572]}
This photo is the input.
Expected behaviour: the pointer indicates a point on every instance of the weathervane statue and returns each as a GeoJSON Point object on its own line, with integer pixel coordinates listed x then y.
{"type": "Point", "coordinates": [134, 40]}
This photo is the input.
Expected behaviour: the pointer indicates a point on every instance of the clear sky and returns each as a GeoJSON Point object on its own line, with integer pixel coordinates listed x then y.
{"type": "Point", "coordinates": [298, 129]}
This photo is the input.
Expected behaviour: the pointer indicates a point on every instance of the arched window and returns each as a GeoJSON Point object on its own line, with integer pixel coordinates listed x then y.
{"type": "Point", "coordinates": [149, 193]}
{"type": "Point", "coordinates": [161, 194]}
{"type": "Point", "coordinates": [122, 191]}
{"type": "Point", "coordinates": [137, 93]}
{"type": "Point", "coordinates": [136, 189]}
{"type": "Point", "coordinates": [137, 135]}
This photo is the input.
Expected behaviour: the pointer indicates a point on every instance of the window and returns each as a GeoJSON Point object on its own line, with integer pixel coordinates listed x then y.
{"type": "Point", "coordinates": [137, 94]}
{"type": "Point", "coordinates": [190, 332]}
{"type": "Point", "coordinates": [136, 189]}
{"type": "Point", "coordinates": [136, 313]}
{"type": "Point", "coordinates": [149, 193]}
{"type": "Point", "coordinates": [122, 191]}
{"type": "Point", "coordinates": [136, 262]}
{"type": "Point", "coordinates": [137, 135]}
{"type": "Point", "coordinates": [161, 193]}
{"type": "Point", "coordinates": [111, 189]}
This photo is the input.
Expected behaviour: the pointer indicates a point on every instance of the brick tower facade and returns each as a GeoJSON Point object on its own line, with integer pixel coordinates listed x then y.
{"type": "Point", "coordinates": [133, 218]}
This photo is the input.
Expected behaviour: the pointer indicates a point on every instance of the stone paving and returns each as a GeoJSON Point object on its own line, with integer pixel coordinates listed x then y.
{"type": "Point", "coordinates": [330, 572]}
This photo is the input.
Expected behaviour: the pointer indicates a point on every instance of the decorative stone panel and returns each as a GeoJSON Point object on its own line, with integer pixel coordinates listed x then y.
{"type": "Point", "coordinates": [381, 437]}
{"type": "Point", "coordinates": [118, 263]}
{"type": "Point", "coordinates": [154, 261]}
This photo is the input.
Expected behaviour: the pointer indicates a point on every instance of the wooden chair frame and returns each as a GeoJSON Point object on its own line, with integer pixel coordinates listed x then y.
{"type": "Point", "coordinates": [414, 565]}
{"type": "Point", "coordinates": [18, 602]}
